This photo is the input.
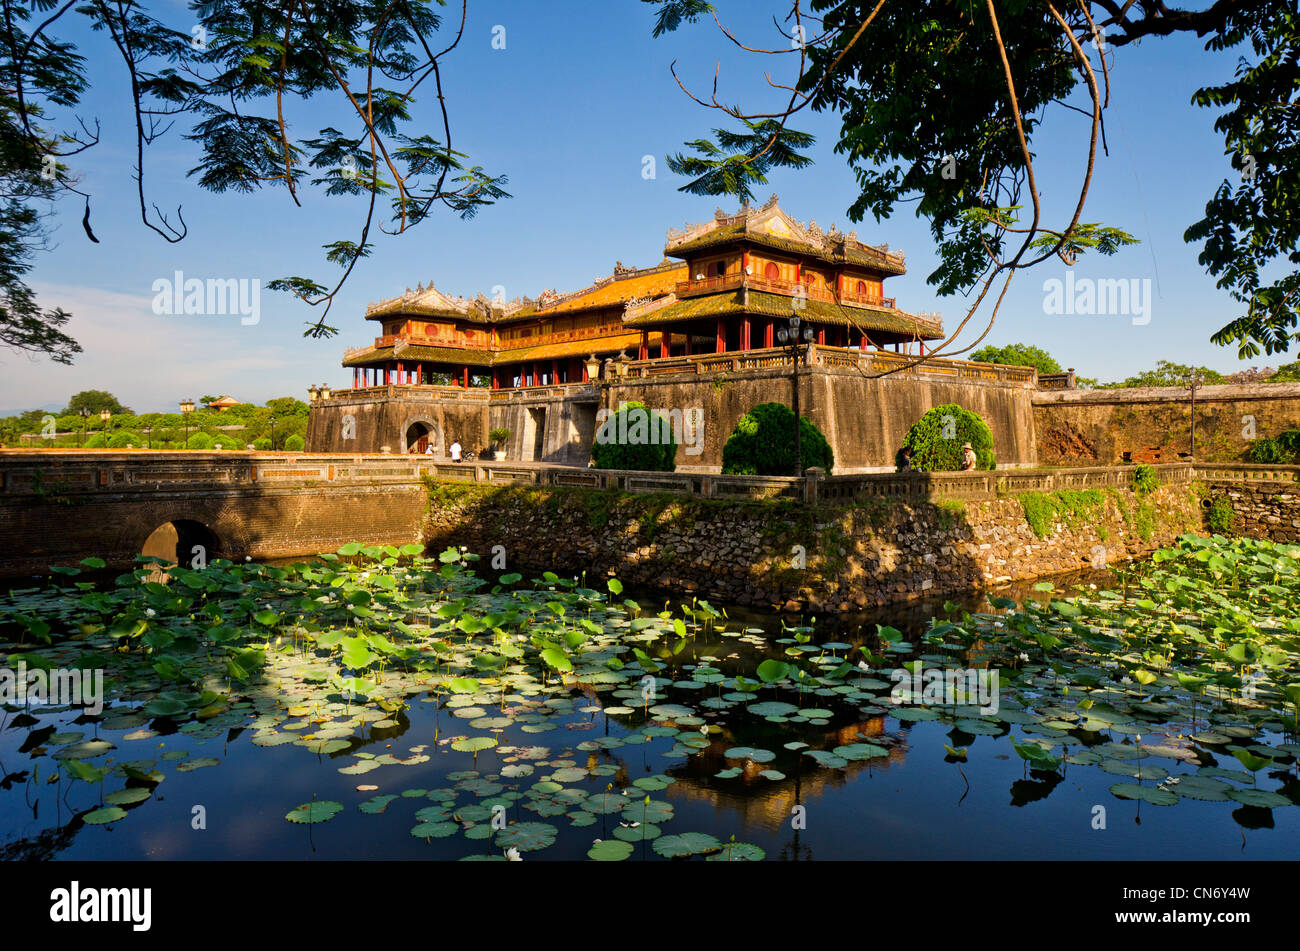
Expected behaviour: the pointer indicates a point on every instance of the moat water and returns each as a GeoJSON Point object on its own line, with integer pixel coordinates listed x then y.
{"type": "Point", "coordinates": [599, 759]}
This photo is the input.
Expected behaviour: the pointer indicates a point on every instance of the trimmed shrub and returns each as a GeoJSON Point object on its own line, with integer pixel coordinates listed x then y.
{"type": "Point", "coordinates": [635, 437]}
{"type": "Point", "coordinates": [937, 437]}
{"type": "Point", "coordinates": [121, 440]}
{"type": "Point", "coordinates": [262, 443]}
{"type": "Point", "coordinates": [295, 443]}
{"type": "Point", "coordinates": [1266, 452]}
{"type": "Point", "coordinates": [226, 441]}
{"type": "Point", "coordinates": [97, 441]}
{"type": "Point", "coordinates": [763, 443]}
{"type": "Point", "coordinates": [199, 440]}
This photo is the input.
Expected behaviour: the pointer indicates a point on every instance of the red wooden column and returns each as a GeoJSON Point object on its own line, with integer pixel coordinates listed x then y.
{"type": "Point", "coordinates": [769, 332]}
{"type": "Point", "coordinates": [354, 378]}
{"type": "Point", "coordinates": [555, 372]}
{"type": "Point", "coordinates": [465, 377]}
{"type": "Point", "coordinates": [690, 332]}
{"type": "Point", "coordinates": [821, 336]}
{"type": "Point", "coordinates": [665, 344]}
{"type": "Point", "coordinates": [643, 352]}
{"type": "Point", "coordinates": [746, 331]}
{"type": "Point", "coordinates": [720, 339]}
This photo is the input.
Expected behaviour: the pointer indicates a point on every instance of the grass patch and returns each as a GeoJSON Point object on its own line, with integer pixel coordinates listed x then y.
{"type": "Point", "coordinates": [1075, 508]}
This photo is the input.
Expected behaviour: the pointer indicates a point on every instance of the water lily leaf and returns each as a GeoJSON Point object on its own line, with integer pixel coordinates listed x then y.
{"type": "Point", "coordinates": [318, 810]}
{"type": "Point", "coordinates": [686, 843]}
{"type": "Point", "coordinates": [527, 836]}
{"type": "Point", "coordinates": [1152, 794]}
{"type": "Point", "coordinates": [100, 817]}
{"type": "Point", "coordinates": [610, 850]}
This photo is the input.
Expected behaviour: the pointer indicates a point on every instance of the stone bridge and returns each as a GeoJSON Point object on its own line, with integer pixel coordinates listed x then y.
{"type": "Point", "coordinates": [57, 507]}
{"type": "Point", "coordinates": [60, 506]}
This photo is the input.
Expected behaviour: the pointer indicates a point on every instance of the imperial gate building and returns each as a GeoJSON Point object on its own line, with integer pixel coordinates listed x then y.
{"type": "Point", "coordinates": [698, 332]}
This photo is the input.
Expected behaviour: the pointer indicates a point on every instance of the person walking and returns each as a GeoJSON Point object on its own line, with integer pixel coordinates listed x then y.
{"type": "Point", "coordinates": [455, 450]}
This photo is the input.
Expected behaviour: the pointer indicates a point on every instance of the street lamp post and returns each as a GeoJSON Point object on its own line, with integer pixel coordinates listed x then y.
{"type": "Point", "coordinates": [85, 417]}
{"type": "Point", "coordinates": [273, 434]}
{"type": "Point", "coordinates": [187, 407]}
{"type": "Point", "coordinates": [791, 339]}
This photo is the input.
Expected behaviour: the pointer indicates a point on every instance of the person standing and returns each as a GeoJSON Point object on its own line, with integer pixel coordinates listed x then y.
{"type": "Point", "coordinates": [455, 450]}
{"type": "Point", "coordinates": [968, 459]}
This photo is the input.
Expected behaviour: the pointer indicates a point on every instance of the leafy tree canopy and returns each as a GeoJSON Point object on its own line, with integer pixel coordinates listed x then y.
{"type": "Point", "coordinates": [1018, 355]}
{"type": "Point", "coordinates": [1167, 374]}
{"type": "Point", "coordinates": [232, 77]}
{"type": "Point", "coordinates": [96, 401]}
{"type": "Point", "coordinates": [941, 103]}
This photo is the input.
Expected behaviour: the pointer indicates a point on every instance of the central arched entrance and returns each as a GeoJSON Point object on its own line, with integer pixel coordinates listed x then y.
{"type": "Point", "coordinates": [182, 542]}
{"type": "Point", "coordinates": [420, 435]}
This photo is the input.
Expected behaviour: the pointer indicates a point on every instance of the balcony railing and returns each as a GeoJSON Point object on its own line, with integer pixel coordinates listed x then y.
{"type": "Point", "coordinates": [713, 285]}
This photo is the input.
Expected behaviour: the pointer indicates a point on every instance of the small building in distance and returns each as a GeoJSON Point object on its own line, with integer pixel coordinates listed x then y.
{"type": "Point", "coordinates": [224, 403]}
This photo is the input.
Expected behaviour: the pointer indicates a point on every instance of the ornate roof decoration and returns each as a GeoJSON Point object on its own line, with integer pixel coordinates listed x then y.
{"type": "Point", "coordinates": [770, 225]}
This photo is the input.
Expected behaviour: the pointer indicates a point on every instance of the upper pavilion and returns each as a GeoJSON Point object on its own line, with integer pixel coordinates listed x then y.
{"type": "Point", "coordinates": [724, 285]}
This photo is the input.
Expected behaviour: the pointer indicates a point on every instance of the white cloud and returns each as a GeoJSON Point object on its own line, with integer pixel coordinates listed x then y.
{"type": "Point", "coordinates": [150, 362]}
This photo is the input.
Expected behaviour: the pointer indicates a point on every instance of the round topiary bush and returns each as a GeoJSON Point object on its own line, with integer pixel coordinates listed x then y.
{"type": "Point", "coordinates": [763, 443]}
{"type": "Point", "coordinates": [123, 440]}
{"type": "Point", "coordinates": [295, 443]}
{"type": "Point", "coordinates": [199, 440]}
{"type": "Point", "coordinates": [97, 441]}
{"type": "Point", "coordinates": [262, 443]}
{"type": "Point", "coordinates": [937, 437]}
{"type": "Point", "coordinates": [637, 438]}
{"type": "Point", "coordinates": [225, 441]}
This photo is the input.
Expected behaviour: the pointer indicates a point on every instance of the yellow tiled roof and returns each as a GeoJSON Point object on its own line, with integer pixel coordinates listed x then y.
{"type": "Point", "coordinates": [619, 291]}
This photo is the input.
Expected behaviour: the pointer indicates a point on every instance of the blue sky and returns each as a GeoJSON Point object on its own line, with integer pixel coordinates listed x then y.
{"type": "Point", "coordinates": [567, 110]}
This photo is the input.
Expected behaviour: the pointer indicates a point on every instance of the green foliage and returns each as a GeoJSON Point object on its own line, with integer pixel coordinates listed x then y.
{"type": "Point", "coordinates": [97, 441]}
{"type": "Point", "coordinates": [1166, 374]}
{"type": "Point", "coordinates": [1219, 516]}
{"type": "Point", "coordinates": [763, 443]}
{"type": "Point", "coordinates": [96, 401]}
{"type": "Point", "coordinates": [123, 440]}
{"type": "Point", "coordinates": [921, 92]}
{"type": "Point", "coordinates": [1018, 355]}
{"type": "Point", "coordinates": [498, 436]}
{"type": "Point", "coordinates": [1144, 480]}
{"type": "Point", "coordinates": [1289, 441]}
{"type": "Point", "coordinates": [1144, 521]}
{"type": "Point", "coordinates": [225, 441]}
{"type": "Point", "coordinates": [647, 444]}
{"type": "Point", "coordinates": [1075, 508]}
{"type": "Point", "coordinates": [937, 437]}
{"type": "Point", "coordinates": [199, 440]}
{"type": "Point", "coordinates": [262, 443]}
{"type": "Point", "coordinates": [1267, 451]}
{"type": "Point", "coordinates": [295, 443]}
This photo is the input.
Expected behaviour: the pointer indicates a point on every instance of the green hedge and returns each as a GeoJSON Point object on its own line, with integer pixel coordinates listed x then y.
{"type": "Point", "coordinates": [295, 443]}
{"type": "Point", "coordinates": [763, 443]}
{"type": "Point", "coordinates": [648, 444]}
{"type": "Point", "coordinates": [262, 443]}
{"type": "Point", "coordinates": [122, 440]}
{"type": "Point", "coordinates": [199, 440]}
{"type": "Point", "coordinates": [97, 441]}
{"type": "Point", "coordinates": [937, 437]}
